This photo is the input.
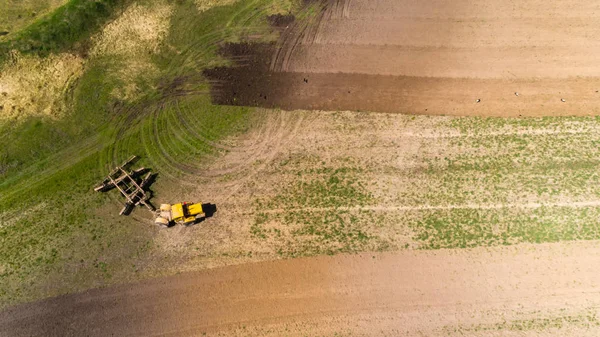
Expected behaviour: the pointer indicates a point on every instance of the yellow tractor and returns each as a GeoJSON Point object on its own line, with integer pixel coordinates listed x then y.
{"type": "Point", "coordinates": [185, 213]}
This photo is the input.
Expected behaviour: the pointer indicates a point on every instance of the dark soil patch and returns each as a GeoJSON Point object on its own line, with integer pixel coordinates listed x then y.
{"type": "Point", "coordinates": [280, 21]}
{"type": "Point", "coordinates": [250, 82]}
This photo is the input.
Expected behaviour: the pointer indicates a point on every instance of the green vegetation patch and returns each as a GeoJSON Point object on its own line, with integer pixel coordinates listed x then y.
{"type": "Point", "coordinates": [506, 181]}
{"type": "Point", "coordinates": [487, 183]}
{"type": "Point", "coordinates": [16, 14]}
{"type": "Point", "coordinates": [325, 187]}
{"type": "Point", "coordinates": [468, 228]}
{"type": "Point", "coordinates": [318, 213]}
{"type": "Point", "coordinates": [67, 27]}
{"type": "Point", "coordinates": [586, 319]}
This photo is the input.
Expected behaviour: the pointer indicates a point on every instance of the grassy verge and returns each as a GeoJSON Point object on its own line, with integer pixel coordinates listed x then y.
{"type": "Point", "coordinates": [15, 15]}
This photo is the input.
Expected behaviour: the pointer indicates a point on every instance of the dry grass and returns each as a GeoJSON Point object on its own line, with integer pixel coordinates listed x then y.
{"type": "Point", "coordinates": [132, 39]}
{"type": "Point", "coordinates": [204, 5]}
{"type": "Point", "coordinates": [34, 86]}
{"type": "Point", "coordinates": [10, 218]}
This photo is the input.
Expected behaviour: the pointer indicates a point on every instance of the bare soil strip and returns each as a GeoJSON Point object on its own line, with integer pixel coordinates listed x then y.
{"type": "Point", "coordinates": [402, 294]}
{"type": "Point", "coordinates": [411, 95]}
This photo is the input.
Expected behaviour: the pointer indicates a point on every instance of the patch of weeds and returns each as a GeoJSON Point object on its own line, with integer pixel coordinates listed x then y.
{"type": "Point", "coordinates": [318, 215]}
{"type": "Point", "coordinates": [467, 228]}
{"type": "Point", "coordinates": [325, 187]}
{"type": "Point", "coordinates": [587, 319]}
{"type": "Point", "coordinates": [547, 160]}
{"type": "Point", "coordinates": [483, 125]}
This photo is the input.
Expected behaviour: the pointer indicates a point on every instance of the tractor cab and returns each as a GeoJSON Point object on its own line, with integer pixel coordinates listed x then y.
{"type": "Point", "coordinates": [185, 212]}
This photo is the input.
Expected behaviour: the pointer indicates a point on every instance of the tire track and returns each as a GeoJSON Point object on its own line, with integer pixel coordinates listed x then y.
{"type": "Point", "coordinates": [273, 146]}
{"type": "Point", "coordinates": [378, 208]}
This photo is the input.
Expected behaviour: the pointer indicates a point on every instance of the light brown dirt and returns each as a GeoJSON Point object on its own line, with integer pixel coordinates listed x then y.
{"type": "Point", "coordinates": [411, 293]}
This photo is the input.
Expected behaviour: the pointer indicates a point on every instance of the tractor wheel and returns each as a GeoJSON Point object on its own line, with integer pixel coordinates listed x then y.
{"type": "Point", "coordinates": [127, 209]}
{"type": "Point", "coordinates": [162, 222]}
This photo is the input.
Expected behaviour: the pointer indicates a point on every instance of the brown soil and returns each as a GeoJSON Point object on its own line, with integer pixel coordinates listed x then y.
{"type": "Point", "coordinates": [404, 56]}
{"type": "Point", "coordinates": [474, 292]}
